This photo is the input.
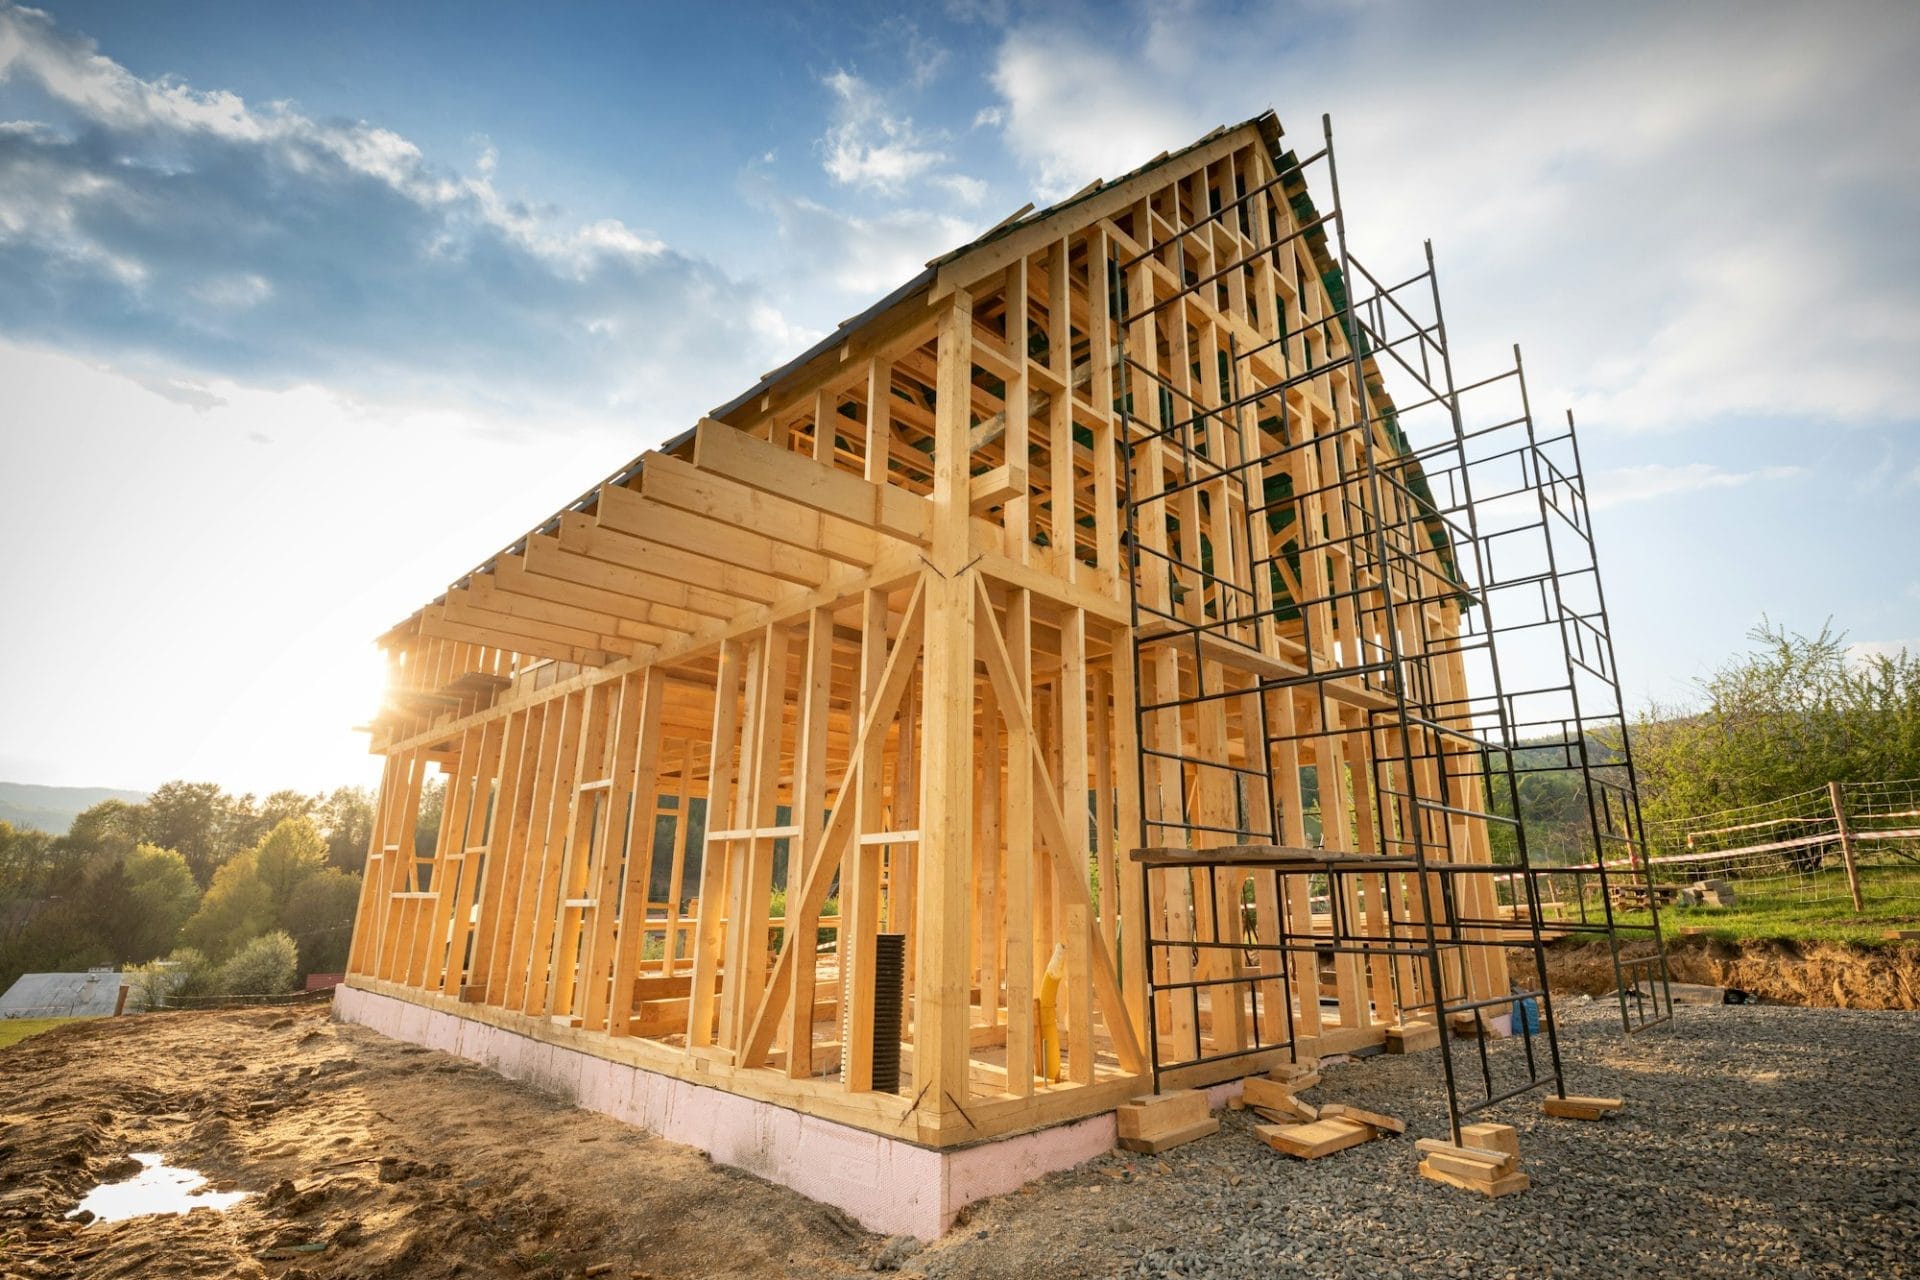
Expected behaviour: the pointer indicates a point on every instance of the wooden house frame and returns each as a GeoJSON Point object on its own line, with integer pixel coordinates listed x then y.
{"type": "Point", "coordinates": [872, 643]}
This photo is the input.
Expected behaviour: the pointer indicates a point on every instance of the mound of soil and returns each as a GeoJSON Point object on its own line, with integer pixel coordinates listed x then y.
{"type": "Point", "coordinates": [1832, 975]}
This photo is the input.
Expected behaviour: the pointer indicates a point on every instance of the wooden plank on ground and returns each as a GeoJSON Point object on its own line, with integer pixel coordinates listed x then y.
{"type": "Point", "coordinates": [1577, 1108]}
{"type": "Point", "coordinates": [1340, 1110]}
{"type": "Point", "coordinates": [1311, 1141]}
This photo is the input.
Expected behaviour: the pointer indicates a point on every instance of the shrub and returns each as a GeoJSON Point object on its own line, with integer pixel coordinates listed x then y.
{"type": "Point", "coordinates": [265, 966]}
{"type": "Point", "coordinates": [184, 973]}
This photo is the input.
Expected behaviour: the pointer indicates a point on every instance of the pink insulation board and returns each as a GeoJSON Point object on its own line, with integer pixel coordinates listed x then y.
{"type": "Point", "coordinates": [885, 1184]}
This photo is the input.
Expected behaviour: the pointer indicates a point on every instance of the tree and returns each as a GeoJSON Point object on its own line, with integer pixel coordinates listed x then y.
{"type": "Point", "coordinates": [238, 906]}
{"type": "Point", "coordinates": [196, 818]}
{"type": "Point", "coordinates": [62, 937]}
{"type": "Point", "coordinates": [1792, 715]}
{"type": "Point", "coordinates": [345, 818]}
{"type": "Point", "coordinates": [110, 829]}
{"type": "Point", "coordinates": [124, 884]}
{"type": "Point", "coordinates": [319, 915]}
{"type": "Point", "coordinates": [163, 897]}
{"type": "Point", "coordinates": [26, 862]}
{"type": "Point", "coordinates": [284, 883]}
{"type": "Point", "coordinates": [292, 851]}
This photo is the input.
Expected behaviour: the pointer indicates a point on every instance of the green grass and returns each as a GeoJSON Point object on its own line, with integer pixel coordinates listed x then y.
{"type": "Point", "coordinates": [1813, 908]}
{"type": "Point", "coordinates": [14, 1030]}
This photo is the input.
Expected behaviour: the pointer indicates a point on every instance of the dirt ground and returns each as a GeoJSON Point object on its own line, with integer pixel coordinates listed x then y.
{"type": "Point", "coordinates": [404, 1162]}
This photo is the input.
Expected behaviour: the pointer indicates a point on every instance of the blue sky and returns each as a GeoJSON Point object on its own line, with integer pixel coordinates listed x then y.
{"type": "Point", "coordinates": [306, 309]}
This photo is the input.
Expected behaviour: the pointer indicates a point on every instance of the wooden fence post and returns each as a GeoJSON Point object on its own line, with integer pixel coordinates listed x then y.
{"type": "Point", "coordinates": [1846, 845]}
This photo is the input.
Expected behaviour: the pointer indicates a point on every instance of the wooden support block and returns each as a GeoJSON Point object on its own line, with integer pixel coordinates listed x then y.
{"type": "Point", "coordinates": [1293, 1078]}
{"type": "Point", "coordinates": [1494, 1162]}
{"type": "Point", "coordinates": [1161, 1113]}
{"type": "Point", "coordinates": [1491, 1137]}
{"type": "Point", "coordinates": [1178, 1137]}
{"type": "Point", "coordinates": [1504, 1185]}
{"type": "Point", "coordinates": [1267, 1093]}
{"type": "Point", "coordinates": [1474, 1171]}
{"type": "Point", "coordinates": [1412, 1037]}
{"type": "Point", "coordinates": [1341, 1111]}
{"type": "Point", "coordinates": [1311, 1141]}
{"type": "Point", "coordinates": [1306, 1058]}
{"type": "Point", "coordinates": [1571, 1108]}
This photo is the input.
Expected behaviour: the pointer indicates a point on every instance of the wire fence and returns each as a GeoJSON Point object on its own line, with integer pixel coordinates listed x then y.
{"type": "Point", "coordinates": [1854, 842]}
{"type": "Point", "coordinates": [242, 1001]}
{"type": "Point", "coordinates": [136, 1002]}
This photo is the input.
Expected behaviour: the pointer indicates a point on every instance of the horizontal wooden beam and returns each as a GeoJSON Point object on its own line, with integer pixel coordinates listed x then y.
{"type": "Point", "coordinates": [483, 591]}
{"type": "Point", "coordinates": [625, 511]}
{"type": "Point", "coordinates": [727, 502]}
{"type": "Point", "coordinates": [726, 451]}
{"type": "Point", "coordinates": [434, 622]}
{"type": "Point", "coordinates": [510, 573]}
{"type": "Point", "coordinates": [461, 606]}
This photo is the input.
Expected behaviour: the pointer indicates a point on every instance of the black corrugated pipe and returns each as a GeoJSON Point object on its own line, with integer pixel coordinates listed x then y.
{"type": "Point", "coordinates": [889, 990]}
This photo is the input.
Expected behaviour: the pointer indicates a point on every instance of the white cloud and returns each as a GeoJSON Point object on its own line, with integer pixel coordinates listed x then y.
{"type": "Point", "coordinates": [1725, 239]}
{"type": "Point", "coordinates": [1073, 113]}
{"type": "Point", "coordinates": [962, 188]}
{"type": "Point", "coordinates": [863, 257]}
{"type": "Point", "coordinates": [868, 146]}
{"type": "Point", "coordinates": [1622, 485]}
{"type": "Point", "coordinates": [925, 59]}
{"type": "Point", "coordinates": [187, 234]}
{"type": "Point", "coordinates": [1862, 650]}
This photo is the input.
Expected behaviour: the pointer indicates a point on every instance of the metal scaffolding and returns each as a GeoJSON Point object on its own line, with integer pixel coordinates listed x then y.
{"type": "Point", "coordinates": [1370, 641]}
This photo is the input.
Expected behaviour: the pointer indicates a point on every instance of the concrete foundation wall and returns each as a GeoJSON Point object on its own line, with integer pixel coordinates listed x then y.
{"type": "Point", "coordinates": [885, 1184]}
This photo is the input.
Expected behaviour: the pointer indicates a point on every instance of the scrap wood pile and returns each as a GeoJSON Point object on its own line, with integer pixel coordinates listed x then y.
{"type": "Point", "coordinates": [1486, 1159]}
{"type": "Point", "coordinates": [1293, 1125]}
{"type": "Point", "coordinates": [1299, 1128]}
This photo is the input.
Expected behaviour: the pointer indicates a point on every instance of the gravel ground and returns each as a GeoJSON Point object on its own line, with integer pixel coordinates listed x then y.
{"type": "Point", "coordinates": [1756, 1141]}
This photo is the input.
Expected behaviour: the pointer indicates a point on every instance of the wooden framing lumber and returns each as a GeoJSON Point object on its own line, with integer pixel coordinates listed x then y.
{"type": "Point", "coordinates": [867, 635]}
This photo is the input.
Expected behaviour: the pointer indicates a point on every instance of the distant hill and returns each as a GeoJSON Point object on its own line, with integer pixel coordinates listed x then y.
{"type": "Point", "coordinates": [53, 809]}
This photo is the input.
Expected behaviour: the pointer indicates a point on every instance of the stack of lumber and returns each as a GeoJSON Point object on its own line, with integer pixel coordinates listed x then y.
{"type": "Point", "coordinates": [1160, 1121]}
{"type": "Point", "coordinates": [1298, 1128]}
{"type": "Point", "coordinates": [1486, 1160]}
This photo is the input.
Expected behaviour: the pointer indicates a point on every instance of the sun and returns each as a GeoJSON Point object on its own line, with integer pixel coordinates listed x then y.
{"type": "Point", "coordinates": [361, 682]}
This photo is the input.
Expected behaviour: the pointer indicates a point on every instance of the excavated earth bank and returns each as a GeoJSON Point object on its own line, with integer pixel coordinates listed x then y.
{"type": "Point", "coordinates": [1826, 975]}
